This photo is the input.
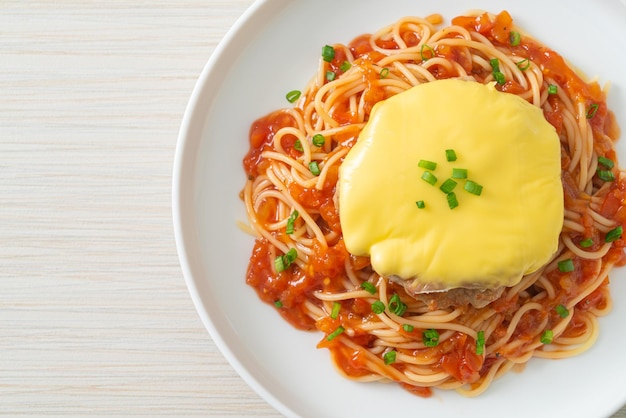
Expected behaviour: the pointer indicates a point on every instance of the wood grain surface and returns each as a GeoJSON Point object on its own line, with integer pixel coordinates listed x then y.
{"type": "Point", "coordinates": [95, 318]}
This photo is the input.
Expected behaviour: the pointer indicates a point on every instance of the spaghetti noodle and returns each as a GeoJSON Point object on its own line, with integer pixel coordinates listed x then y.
{"type": "Point", "coordinates": [373, 329]}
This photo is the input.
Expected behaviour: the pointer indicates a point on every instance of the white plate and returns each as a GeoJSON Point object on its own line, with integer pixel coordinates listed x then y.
{"type": "Point", "coordinates": [274, 48]}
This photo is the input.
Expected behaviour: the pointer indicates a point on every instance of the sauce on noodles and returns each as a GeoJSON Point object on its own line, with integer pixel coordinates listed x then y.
{"type": "Point", "coordinates": [322, 287]}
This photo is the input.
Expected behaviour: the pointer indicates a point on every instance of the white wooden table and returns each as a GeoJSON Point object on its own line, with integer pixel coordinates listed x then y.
{"type": "Point", "coordinates": [95, 318]}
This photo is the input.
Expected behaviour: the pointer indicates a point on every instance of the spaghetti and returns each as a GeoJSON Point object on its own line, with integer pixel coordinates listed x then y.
{"type": "Point", "coordinates": [373, 329]}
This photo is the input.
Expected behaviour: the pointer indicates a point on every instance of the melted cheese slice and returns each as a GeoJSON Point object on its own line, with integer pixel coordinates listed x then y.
{"type": "Point", "coordinates": [487, 241]}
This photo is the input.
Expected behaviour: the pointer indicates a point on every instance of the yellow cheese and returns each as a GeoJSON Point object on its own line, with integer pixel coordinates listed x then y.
{"type": "Point", "coordinates": [487, 241]}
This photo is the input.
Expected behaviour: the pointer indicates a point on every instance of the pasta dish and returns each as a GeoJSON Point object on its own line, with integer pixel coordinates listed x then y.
{"type": "Point", "coordinates": [317, 258]}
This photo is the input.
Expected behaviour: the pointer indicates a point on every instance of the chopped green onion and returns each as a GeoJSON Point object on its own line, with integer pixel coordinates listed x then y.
{"type": "Point", "coordinates": [335, 312]}
{"type": "Point", "coordinates": [591, 112]}
{"type": "Point", "coordinates": [279, 264]}
{"type": "Point", "coordinates": [495, 64]}
{"type": "Point", "coordinates": [278, 304]}
{"type": "Point", "coordinates": [605, 175]}
{"type": "Point", "coordinates": [420, 204]}
{"type": "Point", "coordinates": [378, 307]}
{"type": "Point", "coordinates": [497, 74]}
{"type": "Point", "coordinates": [345, 66]}
{"type": "Point", "coordinates": [450, 155]}
{"type": "Point", "coordinates": [553, 89]}
{"type": "Point", "coordinates": [523, 64]}
{"type": "Point", "coordinates": [335, 333]}
{"type": "Point", "coordinates": [500, 78]}
{"type": "Point", "coordinates": [586, 243]}
{"type": "Point", "coordinates": [480, 343]}
{"type": "Point", "coordinates": [447, 186]}
{"type": "Point", "coordinates": [473, 187]}
{"type": "Point", "coordinates": [291, 221]}
{"type": "Point", "coordinates": [396, 305]}
{"type": "Point", "coordinates": [614, 234]}
{"type": "Point", "coordinates": [282, 262]}
{"type": "Point", "coordinates": [565, 266]}
{"type": "Point", "coordinates": [515, 38]}
{"type": "Point", "coordinates": [368, 287]}
{"type": "Point", "coordinates": [408, 327]}
{"type": "Point", "coordinates": [429, 177]}
{"type": "Point", "coordinates": [547, 336]}
{"type": "Point", "coordinates": [298, 145]}
{"type": "Point", "coordinates": [607, 162]}
{"type": "Point", "coordinates": [291, 255]}
{"type": "Point", "coordinates": [384, 72]}
{"type": "Point", "coordinates": [459, 173]}
{"type": "Point", "coordinates": [390, 357]}
{"type": "Point", "coordinates": [318, 140]}
{"type": "Point", "coordinates": [452, 200]}
{"type": "Point", "coordinates": [293, 95]}
{"type": "Point", "coordinates": [314, 168]}
{"type": "Point", "coordinates": [562, 311]}
{"type": "Point", "coordinates": [432, 52]}
{"type": "Point", "coordinates": [330, 75]}
{"type": "Point", "coordinates": [328, 53]}
{"type": "Point", "coordinates": [430, 337]}
{"type": "Point", "coordinates": [428, 165]}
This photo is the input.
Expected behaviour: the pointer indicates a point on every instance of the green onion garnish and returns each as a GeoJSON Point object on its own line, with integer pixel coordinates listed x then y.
{"type": "Point", "coordinates": [408, 327]}
{"type": "Point", "coordinates": [515, 38]}
{"type": "Point", "coordinates": [523, 64]}
{"type": "Point", "coordinates": [452, 200]}
{"type": "Point", "coordinates": [605, 175]}
{"type": "Point", "coordinates": [567, 265]}
{"type": "Point", "coordinates": [497, 74]}
{"type": "Point", "coordinates": [430, 337]}
{"type": "Point", "coordinates": [420, 204]}
{"type": "Point", "coordinates": [390, 357]}
{"type": "Point", "coordinates": [428, 165]}
{"type": "Point", "coordinates": [330, 75]}
{"type": "Point", "coordinates": [293, 95]}
{"type": "Point", "coordinates": [384, 72]}
{"type": "Point", "coordinates": [607, 162]}
{"type": "Point", "coordinates": [553, 89]}
{"type": "Point", "coordinates": [378, 307]}
{"type": "Point", "coordinates": [335, 312]}
{"type": "Point", "coordinates": [335, 333]}
{"type": "Point", "coordinates": [591, 112]}
{"type": "Point", "coordinates": [279, 264]}
{"type": "Point", "coordinates": [429, 178]}
{"type": "Point", "coordinates": [328, 53]}
{"type": "Point", "coordinates": [447, 186]}
{"type": "Point", "coordinates": [368, 287]}
{"type": "Point", "coordinates": [450, 155]}
{"type": "Point", "coordinates": [459, 173]}
{"type": "Point", "coordinates": [480, 343]}
{"type": "Point", "coordinates": [547, 336]}
{"type": "Point", "coordinates": [318, 140]}
{"type": "Point", "coordinates": [432, 52]}
{"type": "Point", "coordinates": [586, 243]}
{"type": "Point", "coordinates": [314, 168]}
{"type": "Point", "coordinates": [282, 262]}
{"type": "Point", "coordinates": [499, 77]}
{"type": "Point", "coordinates": [298, 145]}
{"type": "Point", "coordinates": [614, 234]}
{"type": "Point", "coordinates": [345, 66]}
{"type": "Point", "coordinates": [473, 187]}
{"type": "Point", "coordinates": [291, 221]}
{"type": "Point", "coordinates": [495, 64]}
{"type": "Point", "coordinates": [396, 305]}
{"type": "Point", "coordinates": [562, 311]}
{"type": "Point", "coordinates": [278, 304]}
